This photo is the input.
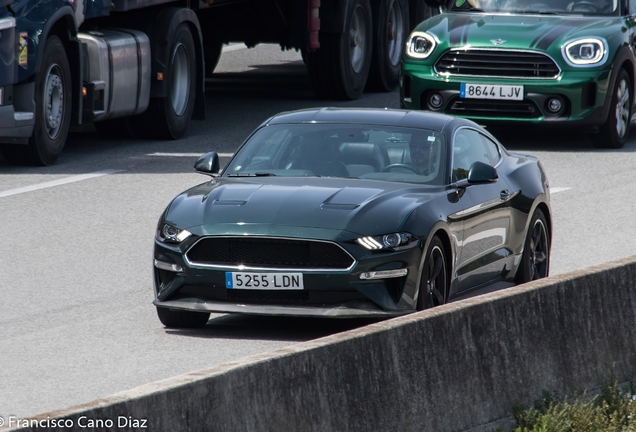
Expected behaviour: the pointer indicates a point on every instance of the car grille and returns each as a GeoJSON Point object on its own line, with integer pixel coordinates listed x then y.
{"type": "Point", "coordinates": [269, 253]}
{"type": "Point", "coordinates": [497, 63]}
{"type": "Point", "coordinates": [492, 108]}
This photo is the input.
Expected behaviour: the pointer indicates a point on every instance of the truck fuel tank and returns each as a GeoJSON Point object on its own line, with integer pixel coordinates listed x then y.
{"type": "Point", "coordinates": [117, 73]}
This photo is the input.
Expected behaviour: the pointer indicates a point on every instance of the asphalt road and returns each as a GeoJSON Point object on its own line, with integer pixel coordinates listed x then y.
{"type": "Point", "coordinates": [76, 319]}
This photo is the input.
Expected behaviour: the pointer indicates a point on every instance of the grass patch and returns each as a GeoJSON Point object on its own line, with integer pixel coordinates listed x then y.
{"type": "Point", "coordinates": [613, 410]}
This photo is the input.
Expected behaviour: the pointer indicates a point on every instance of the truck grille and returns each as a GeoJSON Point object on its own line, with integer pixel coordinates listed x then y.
{"type": "Point", "coordinates": [492, 108]}
{"type": "Point", "coordinates": [269, 253]}
{"type": "Point", "coordinates": [497, 63]}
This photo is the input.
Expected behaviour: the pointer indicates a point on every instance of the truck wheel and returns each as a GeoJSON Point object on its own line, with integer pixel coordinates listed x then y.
{"type": "Point", "coordinates": [52, 110]}
{"type": "Point", "coordinates": [169, 117]}
{"type": "Point", "coordinates": [614, 133]}
{"type": "Point", "coordinates": [340, 67]}
{"type": "Point", "coordinates": [390, 28]}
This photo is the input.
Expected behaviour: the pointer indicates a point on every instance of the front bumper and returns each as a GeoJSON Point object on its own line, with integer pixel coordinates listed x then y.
{"type": "Point", "coordinates": [178, 284]}
{"type": "Point", "coordinates": [584, 93]}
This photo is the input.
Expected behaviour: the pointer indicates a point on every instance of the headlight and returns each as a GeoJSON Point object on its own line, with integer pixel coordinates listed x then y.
{"type": "Point", "coordinates": [394, 241]}
{"type": "Point", "coordinates": [420, 45]}
{"type": "Point", "coordinates": [585, 52]}
{"type": "Point", "coordinates": [169, 233]}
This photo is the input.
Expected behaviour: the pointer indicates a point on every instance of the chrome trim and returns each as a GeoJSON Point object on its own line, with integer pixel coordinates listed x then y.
{"type": "Point", "coordinates": [168, 266]}
{"type": "Point", "coordinates": [21, 116]}
{"type": "Point", "coordinates": [601, 62]}
{"type": "Point", "coordinates": [342, 310]}
{"type": "Point", "coordinates": [468, 48]}
{"type": "Point", "coordinates": [384, 274]}
{"type": "Point", "coordinates": [268, 269]}
{"type": "Point", "coordinates": [7, 23]}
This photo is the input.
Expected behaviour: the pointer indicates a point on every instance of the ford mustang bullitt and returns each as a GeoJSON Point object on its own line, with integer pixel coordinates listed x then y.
{"type": "Point", "coordinates": [333, 212]}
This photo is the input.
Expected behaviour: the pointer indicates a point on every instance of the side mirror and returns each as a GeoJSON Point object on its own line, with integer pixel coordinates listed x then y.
{"type": "Point", "coordinates": [208, 163]}
{"type": "Point", "coordinates": [482, 173]}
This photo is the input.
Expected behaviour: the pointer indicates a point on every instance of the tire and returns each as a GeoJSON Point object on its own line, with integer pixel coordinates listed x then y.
{"type": "Point", "coordinates": [340, 67]}
{"type": "Point", "coordinates": [614, 133]}
{"type": "Point", "coordinates": [434, 280]}
{"type": "Point", "coordinates": [169, 117]}
{"type": "Point", "coordinates": [52, 110]}
{"type": "Point", "coordinates": [182, 319]}
{"type": "Point", "coordinates": [390, 30]}
{"type": "Point", "coordinates": [535, 261]}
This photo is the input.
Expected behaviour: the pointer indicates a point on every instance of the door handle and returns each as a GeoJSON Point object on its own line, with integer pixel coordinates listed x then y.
{"type": "Point", "coordinates": [504, 195]}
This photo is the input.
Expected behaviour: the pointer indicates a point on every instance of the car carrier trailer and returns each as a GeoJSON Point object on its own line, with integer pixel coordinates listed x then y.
{"type": "Point", "coordinates": [140, 65]}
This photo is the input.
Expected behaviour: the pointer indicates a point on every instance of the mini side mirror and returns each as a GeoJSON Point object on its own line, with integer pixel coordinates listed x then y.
{"type": "Point", "coordinates": [208, 163]}
{"type": "Point", "coordinates": [482, 173]}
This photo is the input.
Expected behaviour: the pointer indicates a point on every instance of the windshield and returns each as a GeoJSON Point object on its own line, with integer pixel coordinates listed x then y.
{"type": "Point", "coordinates": [347, 151]}
{"type": "Point", "coordinates": [594, 7]}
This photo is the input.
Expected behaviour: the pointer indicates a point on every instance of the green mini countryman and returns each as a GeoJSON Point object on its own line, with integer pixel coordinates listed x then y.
{"type": "Point", "coordinates": [565, 62]}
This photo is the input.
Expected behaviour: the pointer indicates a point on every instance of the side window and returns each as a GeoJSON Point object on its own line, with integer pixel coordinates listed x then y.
{"type": "Point", "coordinates": [469, 146]}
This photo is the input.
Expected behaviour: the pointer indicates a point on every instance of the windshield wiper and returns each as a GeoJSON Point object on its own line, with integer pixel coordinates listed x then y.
{"type": "Point", "coordinates": [256, 174]}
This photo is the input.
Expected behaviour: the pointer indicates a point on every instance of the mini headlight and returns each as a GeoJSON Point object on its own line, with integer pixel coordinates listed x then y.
{"type": "Point", "coordinates": [586, 52]}
{"type": "Point", "coordinates": [420, 45]}
{"type": "Point", "coordinates": [173, 234]}
{"type": "Point", "coordinates": [393, 241]}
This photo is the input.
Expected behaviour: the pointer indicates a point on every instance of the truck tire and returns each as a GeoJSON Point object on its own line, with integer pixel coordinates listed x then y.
{"type": "Point", "coordinates": [390, 30]}
{"type": "Point", "coordinates": [169, 117]}
{"type": "Point", "coordinates": [340, 67]}
{"type": "Point", "coordinates": [52, 110]}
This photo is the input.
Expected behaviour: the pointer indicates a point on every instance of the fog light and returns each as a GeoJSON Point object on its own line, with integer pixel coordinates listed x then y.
{"type": "Point", "coordinates": [435, 101]}
{"type": "Point", "coordinates": [385, 274]}
{"type": "Point", "coordinates": [168, 266]}
{"type": "Point", "coordinates": [555, 105]}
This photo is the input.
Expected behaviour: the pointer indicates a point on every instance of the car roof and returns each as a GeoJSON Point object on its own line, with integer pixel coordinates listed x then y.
{"type": "Point", "coordinates": [377, 116]}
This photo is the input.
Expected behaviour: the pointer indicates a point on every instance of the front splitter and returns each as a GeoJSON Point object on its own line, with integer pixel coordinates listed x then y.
{"type": "Point", "coordinates": [349, 310]}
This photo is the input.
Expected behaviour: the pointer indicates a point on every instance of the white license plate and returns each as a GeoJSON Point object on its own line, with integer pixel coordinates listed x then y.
{"type": "Point", "coordinates": [264, 281]}
{"type": "Point", "coordinates": [488, 91]}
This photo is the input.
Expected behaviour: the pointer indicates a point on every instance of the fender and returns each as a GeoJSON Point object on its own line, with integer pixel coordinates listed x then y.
{"type": "Point", "coordinates": [624, 55]}
{"type": "Point", "coordinates": [65, 13]}
{"type": "Point", "coordinates": [162, 33]}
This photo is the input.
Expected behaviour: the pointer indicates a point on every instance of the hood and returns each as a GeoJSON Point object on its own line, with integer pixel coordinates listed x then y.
{"type": "Point", "coordinates": [538, 32]}
{"type": "Point", "coordinates": [358, 206]}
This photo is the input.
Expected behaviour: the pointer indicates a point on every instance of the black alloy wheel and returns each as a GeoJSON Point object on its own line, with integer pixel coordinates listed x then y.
{"type": "Point", "coordinates": [182, 319]}
{"type": "Point", "coordinates": [434, 280]}
{"type": "Point", "coordinates": [535, 262]}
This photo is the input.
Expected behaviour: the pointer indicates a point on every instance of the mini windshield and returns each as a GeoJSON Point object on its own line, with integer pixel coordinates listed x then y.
{"type": "Point", "coordinates": [593, 7]}
{"type": "Point", "coordinates": [348, 151]}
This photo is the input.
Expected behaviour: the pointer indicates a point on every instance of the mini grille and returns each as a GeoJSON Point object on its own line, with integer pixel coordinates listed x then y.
{"type": "Point", "coordinates": [497, 63]}
{"type": "Point", "coordinates": [272, 253]}
{"type": "Point", "coordinates": [489, 108]}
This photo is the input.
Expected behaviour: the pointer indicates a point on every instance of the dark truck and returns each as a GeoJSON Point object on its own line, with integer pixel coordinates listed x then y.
{"type": "Point", "coordinates": [140, 65]}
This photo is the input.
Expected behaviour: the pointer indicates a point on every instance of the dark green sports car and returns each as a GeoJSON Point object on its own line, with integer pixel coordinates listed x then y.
{"type": "Point", "coordinates": [564, 62]}
{"type": "Point", "coordinates": [352, 213]}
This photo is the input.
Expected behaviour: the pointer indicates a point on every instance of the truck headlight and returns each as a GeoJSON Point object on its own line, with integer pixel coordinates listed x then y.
{"type": "Point", "coordinates": [585, 52]}
{"type": "Point", "coordinates": [420, 45]}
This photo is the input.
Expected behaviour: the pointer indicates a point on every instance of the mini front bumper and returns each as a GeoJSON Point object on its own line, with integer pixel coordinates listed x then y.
{"type": "Point", "coordinates": [584, 95]}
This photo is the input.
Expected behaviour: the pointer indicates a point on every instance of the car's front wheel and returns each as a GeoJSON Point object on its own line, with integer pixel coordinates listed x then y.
{"type": "Point", "coordinates": [615, 131]}
{"type": "Point", "coordinates": [434, 280]}
{"type": "Point", "coordinates": [182, 319]}
{"type": "Point", "coordinates": [535, 262]}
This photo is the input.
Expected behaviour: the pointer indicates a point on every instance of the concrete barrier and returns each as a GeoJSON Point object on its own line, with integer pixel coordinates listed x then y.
{"type": "Point", "coordinates": [458, 367]}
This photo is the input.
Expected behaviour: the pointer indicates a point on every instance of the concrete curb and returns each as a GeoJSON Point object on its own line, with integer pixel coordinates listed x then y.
{"type": "Point", "coordinates": [458, 367]}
